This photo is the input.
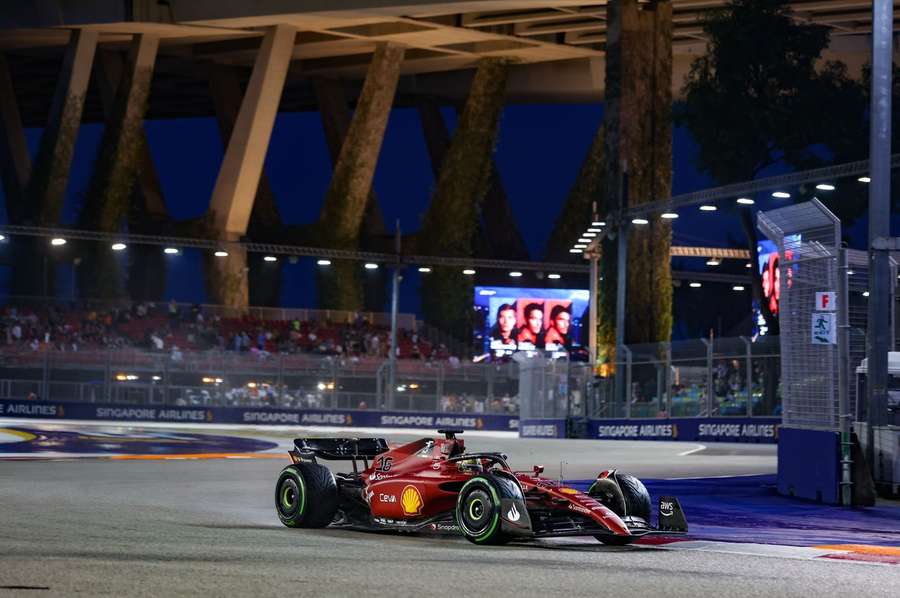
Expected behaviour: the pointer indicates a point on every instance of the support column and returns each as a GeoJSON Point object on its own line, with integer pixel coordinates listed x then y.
{"type": "Point", "coordinates": [117, 162]}
{"type": "Point", "coordinates": [109, 77]}
{"type": "Point", "coordinates": [452, 219]}
{"type": "Point", "coordinates": [336, 118]}
{"type": "Point", "coordinates": [225, 90]}
{"type": "Point", "coordinates": [15, 163]}
{"type": "Point", "coordinates": [340, 221]}
{"type": "Point", "coordinates": [239, 177]}
{"type": "Point", "coordinates": [499, 235]}
{"type": "Point", "coordinates": [115, 172]}
{"type": "Point", "coordinates": [264, 280]}
{"type": "Point", "coordinates": [147, 211]}
{"type": "Point", "coordinates": [47, 186]}
{"type": "Point", "coordinates": [638, 140]}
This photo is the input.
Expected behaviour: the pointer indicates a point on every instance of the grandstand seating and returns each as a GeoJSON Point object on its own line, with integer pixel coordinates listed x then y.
{"type": "Point", "coordinates": [190, 328]}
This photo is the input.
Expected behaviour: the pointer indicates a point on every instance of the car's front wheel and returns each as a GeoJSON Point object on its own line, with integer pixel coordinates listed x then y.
{"type": "Point", "coordinates": [478, 512]}
{"type": "Point", "coordinates": [306, 495]}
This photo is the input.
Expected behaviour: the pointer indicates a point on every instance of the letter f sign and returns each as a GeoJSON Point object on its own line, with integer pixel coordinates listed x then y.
{"type": "Point", "coordinates": [825, 301]}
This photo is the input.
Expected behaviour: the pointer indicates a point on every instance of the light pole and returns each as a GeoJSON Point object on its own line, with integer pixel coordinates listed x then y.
{"type": "Point", "coordinates": [592, 253]}
{"type": "Point", "coordinates": [878, 334]}
{"type": "Point", "coordinates": [395, 292]}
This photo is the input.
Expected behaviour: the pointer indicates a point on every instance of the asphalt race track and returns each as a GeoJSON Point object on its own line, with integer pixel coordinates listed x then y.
{"type": "Point", "coordinates": [189, 526]}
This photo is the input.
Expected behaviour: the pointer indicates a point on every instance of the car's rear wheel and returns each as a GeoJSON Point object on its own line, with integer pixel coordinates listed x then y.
{"type": "Point", "coordinates": [306, 495]}
{"type": "Point", "coordinates": [478, 512]}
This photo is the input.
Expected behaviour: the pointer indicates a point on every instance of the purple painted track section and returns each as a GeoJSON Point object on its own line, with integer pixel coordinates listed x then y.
{"type": "Point", "coordinates": [140, 442]}
{"type": "Point", "coordinates": [748, 509]}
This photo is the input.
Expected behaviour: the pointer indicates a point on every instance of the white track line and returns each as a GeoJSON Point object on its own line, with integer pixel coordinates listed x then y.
{"type": "Point", "coordinates": [752, 549]}
{"type": "Point", "coordinates": [716, 477]}
{"type": "Point", "coordinates": [699, 448]}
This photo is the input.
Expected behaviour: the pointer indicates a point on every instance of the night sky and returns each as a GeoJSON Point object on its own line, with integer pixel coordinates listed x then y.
{"type": "Point", "coordinates": [539, 152]}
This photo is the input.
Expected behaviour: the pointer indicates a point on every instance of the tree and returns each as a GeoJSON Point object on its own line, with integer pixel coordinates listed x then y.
{"type": "Point", "coordinates": [761, 95]}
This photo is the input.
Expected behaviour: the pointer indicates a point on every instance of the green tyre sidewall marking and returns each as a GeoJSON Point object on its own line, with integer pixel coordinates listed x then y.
{"type": "Point", "coordinates": [496, 519]}
{"type": "Point", "coordinates": [296, 474]}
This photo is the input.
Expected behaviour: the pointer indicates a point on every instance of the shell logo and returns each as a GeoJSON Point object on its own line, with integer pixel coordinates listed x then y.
{"type": "Point", "coordinates": [411, 501]}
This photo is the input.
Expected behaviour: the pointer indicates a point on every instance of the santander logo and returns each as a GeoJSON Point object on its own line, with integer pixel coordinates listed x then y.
{"type": "Point", "coordinates": [513, 514]}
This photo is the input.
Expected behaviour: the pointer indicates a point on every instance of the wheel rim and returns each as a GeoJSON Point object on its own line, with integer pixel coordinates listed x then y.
{"type": "Point", "coordinates": [477, 513]}
{"type": "Point", "coordinates": [289, 496]}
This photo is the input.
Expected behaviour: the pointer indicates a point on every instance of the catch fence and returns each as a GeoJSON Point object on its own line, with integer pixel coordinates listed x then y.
{"type": "Point", "coordinates": [682, 379]}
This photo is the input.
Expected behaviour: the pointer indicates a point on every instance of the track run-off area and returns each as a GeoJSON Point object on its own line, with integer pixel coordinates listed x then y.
{"type": "Point", "coordinates": [148, 510]}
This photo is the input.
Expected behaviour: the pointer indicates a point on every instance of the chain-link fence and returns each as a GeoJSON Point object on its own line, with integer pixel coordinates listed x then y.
{"type": "Point", "coordinates": [227, 378]}
{"type": "Point", "coordinates": [808, 237]}
{"type": "Point", "coordinates": [692, 378]}
{"type": "Point", "coordinates": [682, 379]}
{"type": "Point", "coordinates": [857, 315]}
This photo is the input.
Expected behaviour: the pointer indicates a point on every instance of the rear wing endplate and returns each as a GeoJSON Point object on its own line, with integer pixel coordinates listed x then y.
{"type": "Point", "coordinates": [340, 449]}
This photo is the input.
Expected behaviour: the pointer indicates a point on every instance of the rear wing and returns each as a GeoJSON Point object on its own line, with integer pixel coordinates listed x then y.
{"type": "Point", "coordinates": [338, 449]}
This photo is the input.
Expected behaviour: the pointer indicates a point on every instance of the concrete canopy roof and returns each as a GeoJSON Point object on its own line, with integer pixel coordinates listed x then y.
{"type": "Point", "coordinates": [557, 45]}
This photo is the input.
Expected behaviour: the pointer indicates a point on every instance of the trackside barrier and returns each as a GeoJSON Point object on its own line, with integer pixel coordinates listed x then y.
{"type": "Point", "coordinates": [712, 429]}
{"type": "Point", "coordinates": [757, 429]}
{"type": "Point", "coordinates": [809, 464]}
{"type": "Point", "coordinates": [256, 416]}
{"type": "Point", "coordinates": [542, 428]}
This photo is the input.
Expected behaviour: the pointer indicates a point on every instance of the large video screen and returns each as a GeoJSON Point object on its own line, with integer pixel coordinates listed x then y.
{"type": "Point", "coordinates": [530, 319]}
{"type": "Point", "coordinates": [770, 272]}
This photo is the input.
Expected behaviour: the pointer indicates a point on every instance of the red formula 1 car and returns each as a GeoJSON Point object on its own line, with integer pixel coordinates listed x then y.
{"type": "Point", "coordinates": [433, 485]}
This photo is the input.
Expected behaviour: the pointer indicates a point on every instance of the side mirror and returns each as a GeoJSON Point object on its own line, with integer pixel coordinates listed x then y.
{"type": "Point", "coordinates": [538, 469]}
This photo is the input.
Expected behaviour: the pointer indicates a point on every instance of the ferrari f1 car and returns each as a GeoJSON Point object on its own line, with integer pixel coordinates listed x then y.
{"type": "Point", "coordinates": [434, 485]}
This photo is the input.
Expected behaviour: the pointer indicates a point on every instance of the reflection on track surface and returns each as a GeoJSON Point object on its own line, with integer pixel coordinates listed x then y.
{"type": "Point", "coordinates": [22, 440]}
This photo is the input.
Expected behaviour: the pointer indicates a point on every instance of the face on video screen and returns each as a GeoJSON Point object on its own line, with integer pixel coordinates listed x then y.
{"type": "Point", "coordinates": [562, 321]}
{"type": "Point", "coordinates": [506, 320]}
{"type": "Point", "coordinates": [517, 319]}
{"type": "Point", "coordinates": [534, 319]}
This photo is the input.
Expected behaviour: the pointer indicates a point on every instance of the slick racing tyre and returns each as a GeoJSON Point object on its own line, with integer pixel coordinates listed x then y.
{"type": "Point", "coordinates": [627, 497]}
{"type": "Point", "coordinates": [306, 495]}
{"type": "Point", "coordinates": [478, 511]}
{"type": "Point", "coordinates": [623, 494]}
